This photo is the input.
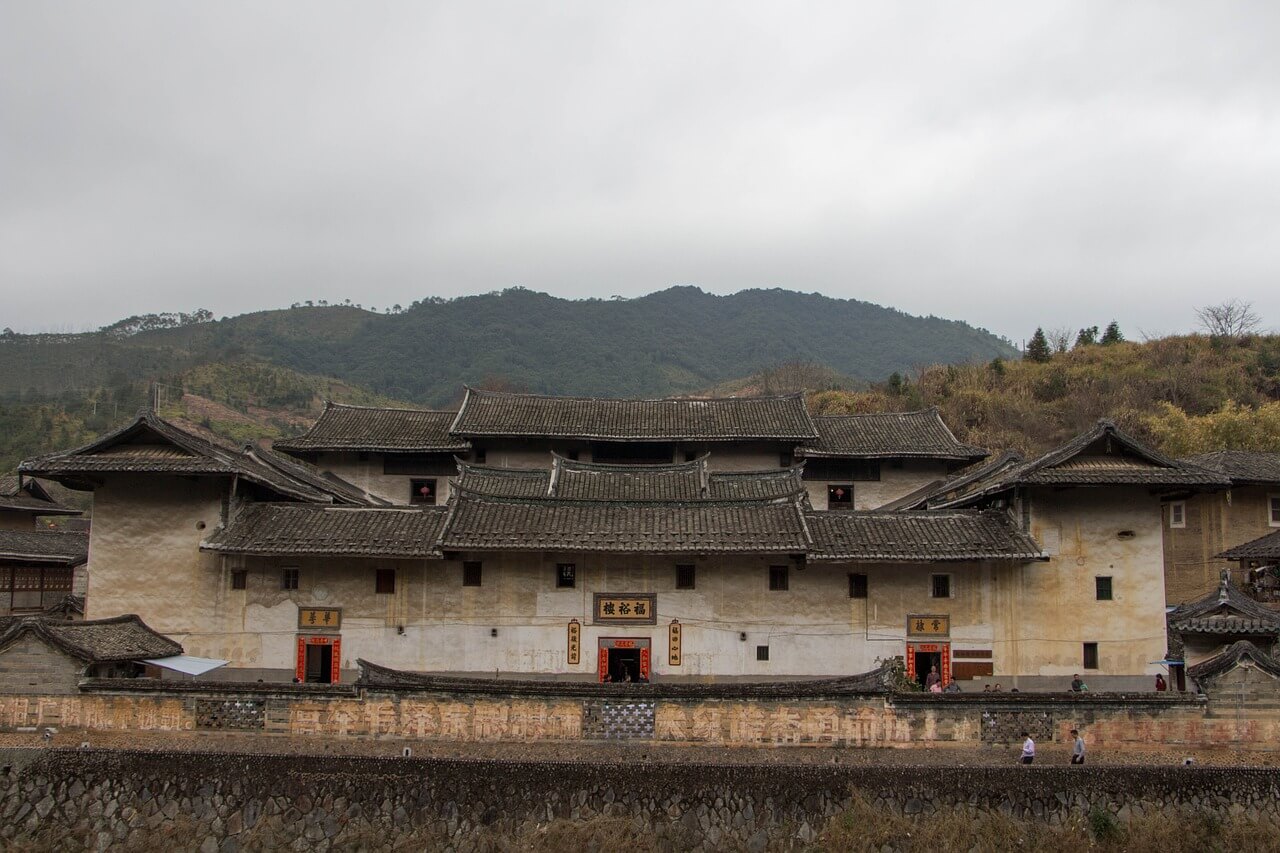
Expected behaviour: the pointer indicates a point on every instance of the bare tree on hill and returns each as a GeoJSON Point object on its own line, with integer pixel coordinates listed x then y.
{"type": "Point", "coordinates": [1234, 318]}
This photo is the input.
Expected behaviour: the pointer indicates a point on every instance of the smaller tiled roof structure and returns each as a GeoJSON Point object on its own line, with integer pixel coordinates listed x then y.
{"type": "Point", "coordinates": [493, 413]}
{"type": "Point", "coordinates": [886, 435]}
{"type": "Point", "coordinates": [570, 479]}
{"type": "Point", "coordinates": [55, 547]}
{"type": "Point", "coordinates": [1233, 656]}
{"type": "Point", "coordinates": [19, 494]}
{"type": "Point", "coordinates": [151, 445]}
{"type": "Point", "coordinates": [321, 480]}
{"type": "Point", "coordinates": [1101, 456]}
{"type": "Point", "coordinates": [1264, 548]}
{"type": "Point", "coordinates": [1225, 611]}
{"type": "Point", "coordinates": [295, 529]}
{"type": "Point", "coordinates": [483, 522]}
{"type": "Point", "coordinates": [1244, 467]}
{"type": "Point", "coordinates": [921, 536]}
{"type": "Point", "coordinates": [123, 638]}
{"type": "Point", "coordinates": [341, 427]}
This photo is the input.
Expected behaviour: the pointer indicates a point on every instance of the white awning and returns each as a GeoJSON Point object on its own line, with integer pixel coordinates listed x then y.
{"type": "Point", "coordinates": [188, 664]}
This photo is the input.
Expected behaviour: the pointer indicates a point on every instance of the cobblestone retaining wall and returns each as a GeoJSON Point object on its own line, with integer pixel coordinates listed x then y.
{"type": "Point", "coordinates": [219, 803]}
{"type": "Point", "coordinates": [859, 721]}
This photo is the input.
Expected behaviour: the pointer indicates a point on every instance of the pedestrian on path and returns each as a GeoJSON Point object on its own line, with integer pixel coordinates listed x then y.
{"type": "Point", "coordinates": [1077, 748]}
{"type": "Point", "coordinates": [1028, 749]}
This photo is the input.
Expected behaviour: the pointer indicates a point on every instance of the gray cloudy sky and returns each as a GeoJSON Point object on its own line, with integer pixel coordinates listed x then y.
{"type": "Point", "coordinates": [1009, 164]}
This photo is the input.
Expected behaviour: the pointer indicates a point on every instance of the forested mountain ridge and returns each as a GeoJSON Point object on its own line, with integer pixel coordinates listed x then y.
{"type": "Point", "coordinates": [671, 342]}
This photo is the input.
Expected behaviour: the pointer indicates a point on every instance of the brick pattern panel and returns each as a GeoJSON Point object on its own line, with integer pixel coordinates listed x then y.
{"type": "Point", "coordinates": [604, 719]}
{"type": "Point", "coordinates": [230, 714]}
{"type": "Point", "coordinates": [1008, 726]}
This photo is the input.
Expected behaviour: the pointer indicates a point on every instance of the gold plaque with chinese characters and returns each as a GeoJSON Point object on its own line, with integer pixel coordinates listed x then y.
{"type": "Point", "coordinates": [575, 642]}
{"type": "Point", "coordinates": [673, 643]}
{"type": "Point", "coordinates": [320, 618]}
{"type": "Point", "coordinates": [639, 608]}
{"type": "Point", "coordinates": [932, 625]}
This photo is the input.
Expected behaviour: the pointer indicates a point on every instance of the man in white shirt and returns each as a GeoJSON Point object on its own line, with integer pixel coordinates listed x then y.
{"type": "Point", "coordinates": [1028, 749]}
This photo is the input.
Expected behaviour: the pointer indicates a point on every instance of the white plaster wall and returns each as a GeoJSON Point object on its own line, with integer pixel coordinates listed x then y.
{"type": "Point", "coordinates": [894, 483]}
{"type": "Point", "coordinates": [1057, 610]}
{"type": "Point", "coordinates": [367, 475]}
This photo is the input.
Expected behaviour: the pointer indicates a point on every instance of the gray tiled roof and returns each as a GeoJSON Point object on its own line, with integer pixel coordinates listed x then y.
{"type": "Point", "coordinates": [1226, 610]}
{"type": "Point", "coordinates": [288, 529]}
{"type": "Point", "coordinates": [62, 547]}
{"type": "Point", "coordinates": [479, 522]}
{"type": "Point", "coordinates": [1263, 548]}
{"type": "Point", "coordinates": [29, 497]}
{"type": "Point", "coordinates": [375, 429]}
{"type": "Point", "coordinates": [151, 445]}
{"type": "Point", "coordinates": [919, 536]}
{"type": "Point", "coordinates": [1102, 456]}
{"type": "Point", "coordinates": [490, 413]}
{"type": "Point", "coordinates": [1242, 466]}
{"type": "Point", "coordinates": [590, 481]}
{"type": "Point", "coordinates": [920, 434]}
{"type": "Point", "coordinates": [118, 639]}
{"type": "Point", "coordinates": [1230, 657]}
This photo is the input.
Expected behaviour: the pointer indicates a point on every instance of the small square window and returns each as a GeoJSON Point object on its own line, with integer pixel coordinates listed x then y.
{"type": "Point", "coordinates": [686, 576]}
{"type": "Point", "coordinates": [566, 575]}
{"type": "Point", "coordinates": [1178, 514]}
{"type": "Point", "coordinates": [289, 579]}
{"type": "Point", "coordinates": [762, 652]}
{"type": "Point", "coordinates": [1090, 655]}
{"type": "Point", "coordinates": [478, 454]}
{"type": "Point", "coordinates": [786, 460]}
{"type": "Point", "coordinates": [941, 586]}
{"type": "Point", "coordinates": [1102, 586]}
{"type": "Point", "coordinates": [778, 578]}
{"type": "Point", "coordinates": [239, 580]}
{"type": "Point", "coordinates": [386, 582]}
{"type": "Point", "coordinates": [857, 586]}
{"type": "Point", "coordinates": [572, 455]}
{"type": "Point", "coordinates": [422, 492]}
{"type": "Point", "coordinates": [471, 573]}
{"type": "Point", "coordinates": [840, 496]}
{"type": "Point", "coordinates": [1273, 510]}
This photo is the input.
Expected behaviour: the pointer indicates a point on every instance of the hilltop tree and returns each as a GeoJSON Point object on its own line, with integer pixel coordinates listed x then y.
{"type": "Point", "coordinates": [1087, 337]}
{"type": "Point", "coordinates": [1112, 335]}
{"type": "Point", "coordinates": [1038, 348]}
{"type": "Point", "coordinates": [1231, 319]}
{"type": "Point", "coordinates": [1059, 339]}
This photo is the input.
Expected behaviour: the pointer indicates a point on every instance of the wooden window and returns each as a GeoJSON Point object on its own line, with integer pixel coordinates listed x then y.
{"type": "Point", "coordinates": [857, 586]}
{"type": "Point", "coordinates": [1273, 510]}
{"type": "Point", "coordinates": [422, 492]}
{"type": "Point", "coordinates": [289, 579]}
{"type": "Point", "coordinates": [840, 496]}
{"type": "Point", "coordinates": [1102, 588]}
{"type": "Point", "coordinates": [1090, 655]}
{"type": "Point", "coordinates": [778, 578]}
{"type": "Point", "coordinates": [33, 588]}
{"type": "Point", "coordinates": [471, 573]}
{"type": "Point", "coordinates": [971, 669]}
{"type": "Point", "coordinates": [786, 460]}
{"type": "Point", "coordinates": [1178, 514]}
{"type": "Point", "coordinates": [477, 453]}
{"type": "Point", "coordinates": [941, 586]}
{"type": "Point", "coordinates": [385, 582]}
{"type": "Point", "coordinates": [686, 576]}
{"type": "Point", "coordinates": [239, 579]}
{"type": "Point", "coordinates": [762, 652]}
{"type": "Point", "coordinates": [566, 575]}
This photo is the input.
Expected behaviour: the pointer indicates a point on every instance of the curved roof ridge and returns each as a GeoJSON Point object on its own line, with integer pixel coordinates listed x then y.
{"type": "Point", "coordinates": [329, 404]}
{"type": "Point", "coordinates": [534, 395]}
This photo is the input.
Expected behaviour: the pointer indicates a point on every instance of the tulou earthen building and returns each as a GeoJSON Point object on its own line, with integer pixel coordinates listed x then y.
{"type": "Point", "coordinates": [556, 538]}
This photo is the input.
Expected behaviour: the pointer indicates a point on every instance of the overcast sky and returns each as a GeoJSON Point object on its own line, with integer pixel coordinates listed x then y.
{"type": "Point", "coordinates": [1011, 165]}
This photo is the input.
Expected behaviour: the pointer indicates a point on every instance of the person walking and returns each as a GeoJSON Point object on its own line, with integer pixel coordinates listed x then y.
{"type": "Point", "coordinates": [1077, 748]}
{"type": "Point", "coordinates": [1028, 749]}
{"type": "Point", "coordinates": [1161, 684]}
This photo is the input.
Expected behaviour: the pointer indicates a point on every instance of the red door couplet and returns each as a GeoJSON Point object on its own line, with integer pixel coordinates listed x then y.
{"type": "Point", "coordinates": [603, 667]}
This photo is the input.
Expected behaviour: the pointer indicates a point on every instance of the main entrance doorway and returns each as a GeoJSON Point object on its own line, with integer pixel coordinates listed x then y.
{"type": "Point", "coordinates": [319, 660]}
{"type": "Point", "coordinates": [623, 659]}
{"type": "Point", "coordinates": [921, 658]}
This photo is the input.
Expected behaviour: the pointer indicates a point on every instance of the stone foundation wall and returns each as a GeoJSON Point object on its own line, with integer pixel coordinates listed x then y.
{"type": "Point", "coordinates": [851, 721]}
{"type": "Point", "coordinates": [212, 802]}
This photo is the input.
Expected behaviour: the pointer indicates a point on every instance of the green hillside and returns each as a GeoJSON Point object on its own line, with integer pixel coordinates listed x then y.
{"type": "Point", "coordinates": [674, 341]}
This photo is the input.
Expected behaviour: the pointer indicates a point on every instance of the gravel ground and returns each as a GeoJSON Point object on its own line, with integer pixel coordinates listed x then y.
{"type": "Point", "coordinates": [596, 753]}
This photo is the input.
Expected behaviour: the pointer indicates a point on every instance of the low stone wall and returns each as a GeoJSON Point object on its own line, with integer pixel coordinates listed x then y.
{"type": "Point", "coordinates": [220, 802]}
{"type": "Point", "coordinates": [875, 720]}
